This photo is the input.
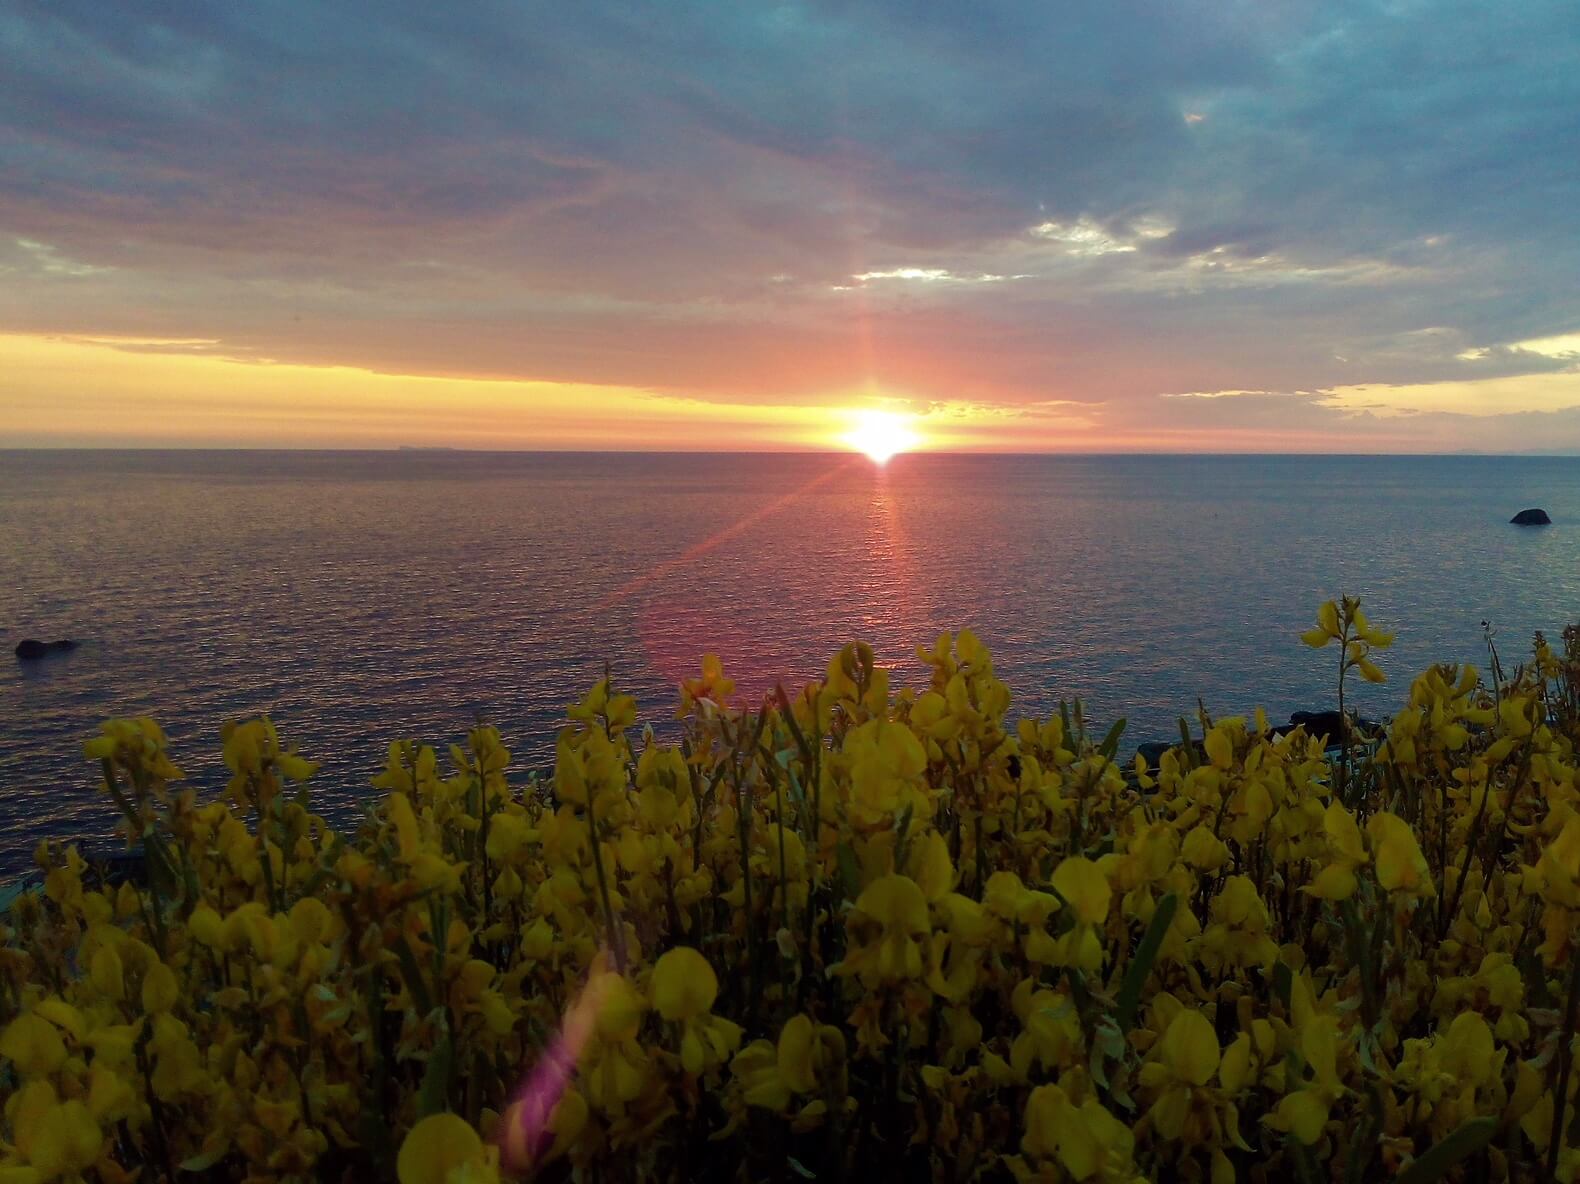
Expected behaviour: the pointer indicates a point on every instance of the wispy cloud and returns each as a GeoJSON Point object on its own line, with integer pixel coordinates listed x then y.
{"type": "Point", "coordinates": [48, 261]}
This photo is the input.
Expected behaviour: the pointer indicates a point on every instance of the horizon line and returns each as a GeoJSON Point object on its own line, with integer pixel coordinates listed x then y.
{"type": "Point", "coordinates": [399, 449]}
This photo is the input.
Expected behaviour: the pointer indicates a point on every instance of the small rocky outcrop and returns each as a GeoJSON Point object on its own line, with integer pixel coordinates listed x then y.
{"type": "Point", "coordinates": [30, 649]}
{"type": "Point", "coordinates": [1532, 517]}
{"type": "Point", "coordinates": [1329, 725]}
{"type": "Point", "coordinates": [1326, 725]}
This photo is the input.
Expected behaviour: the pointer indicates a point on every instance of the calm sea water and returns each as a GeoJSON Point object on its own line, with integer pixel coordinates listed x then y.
{"type": "Point", "coordinates": [361, 596]}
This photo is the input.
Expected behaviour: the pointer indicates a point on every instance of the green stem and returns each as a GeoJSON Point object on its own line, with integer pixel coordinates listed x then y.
{"type": "Point", "coordinates": [1344, 719]}
{"type": "Point", "coordinates": [616, 938]}
{"type": "Point", "coordinates": [743, 827]}
{"type": "Point", "coordinates": [153, 852]}
{"type": "Point", "coordinates": [784, 877]}
{"type": "Point", "coordinates": [1561, 1094]}
{"type": "Point", "coordinates": [1360, 954]}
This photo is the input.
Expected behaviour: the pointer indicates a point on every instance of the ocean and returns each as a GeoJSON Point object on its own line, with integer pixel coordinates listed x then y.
{"type": "Point", "coordinates": [361, 596]}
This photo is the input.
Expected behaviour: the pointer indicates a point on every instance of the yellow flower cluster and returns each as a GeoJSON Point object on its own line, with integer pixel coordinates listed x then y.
{"type": "Point", "coordinates": [854, 931]}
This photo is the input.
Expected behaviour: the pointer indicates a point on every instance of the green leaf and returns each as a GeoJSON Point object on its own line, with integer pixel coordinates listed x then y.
{"type": "Point", "coordinates": [217, 1149]}
{"type": "Point", "coordinates": [1300, 1155]}
{"type": "Point", "coordinates": [787, 713]}
{"type": "Point", "coordinates": [1079, 990]}
{"type": "Point", "coordinates": [1141, 964]}
{"type": "Point", "coordinates": [1283, 983]}
{"type": "Point", "coordinates": [1095, 1068]}
{"type": "Point", "coordinates": [412, 973]}
{"type": "Point", "coordinates": [1363, 1147]}
{"type": "Point", "coordinates": [1110, 744]}
{"type": "Point", "coordinates": [435, 1093]}
{"type": "Point", "coordinates": [1187, 745]}
{"type": "Point", "coordinates": [1463, 1143]}
{"type": "Point", "coordinates": [903, 834]}
{"type": "Point", "coordinates": [797, 796]}
{"type": "Point", "coordinates": [849, 870]}
{"type": "Point", "coordinates": [326, 866]}
{"type": "Point", "coordinates": [800, 1168]}
{"type": "Point", "coordinates": [377, 1137]}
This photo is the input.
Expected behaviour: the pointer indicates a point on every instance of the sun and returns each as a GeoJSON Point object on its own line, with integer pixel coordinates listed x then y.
{"type": "Point", "coordinates": [881, 434]}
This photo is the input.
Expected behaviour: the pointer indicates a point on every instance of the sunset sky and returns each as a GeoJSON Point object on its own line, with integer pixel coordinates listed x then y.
{"type": "Point", "coordinates": [1181, 225]}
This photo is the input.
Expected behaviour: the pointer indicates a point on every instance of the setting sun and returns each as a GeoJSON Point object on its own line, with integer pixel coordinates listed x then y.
{"type": "Point", "coordinates": [882, 434]}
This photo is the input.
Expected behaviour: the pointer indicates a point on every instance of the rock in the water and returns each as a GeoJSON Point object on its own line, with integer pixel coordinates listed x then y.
{"type": "Point", "coordinates": [1152, 752]}
{"type": "Point", "coordinates": [30, 648]}
{"type": "Point", "coordinates": [1329, 725]}
{"type": "Point", "coordinates": [1531, 517]}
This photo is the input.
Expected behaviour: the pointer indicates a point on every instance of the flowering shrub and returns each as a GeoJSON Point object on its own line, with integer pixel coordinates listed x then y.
{"type": "Point", "coordinates": [854, 932]}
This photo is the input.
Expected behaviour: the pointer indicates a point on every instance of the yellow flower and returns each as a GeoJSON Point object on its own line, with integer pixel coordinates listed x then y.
{"type": "Point", "coordinates": [1052, 1035]}
{"type": "Point", "coordinates": [1204, 850]}
{"type": "Point", "coordinates": [444, 1149]}
{"type": "Point", "coordinates": [898, 907]}
{"type": "Point", "coordinates": [1082, 883]}
{"type": "Point", "coordinates": [407, 834]}
{"type": "Point", "coordinates": [1327, 628]}
{"type": "Point", "coordinates": [33, 1045]}
{"type": "Point", "coordinates": [712, 688]}
{"type": "Point", "coordinates": [106, 973]}
{"type": "Point", "coordinates": [931, 867]}
{"type": "Point", "coordinates": [1400, 865]}
{"type": "Point", "coordinates": [1219, 744]}
{"type": "Point", "coordinates": [1337, 880]}
{"type": "Point", "coordinates": [111, 1096]}
{"type": "Point", "coordinates": [886, 766]}
{"type": "Point", "coordinates": [1184, 1062]}
{"type": "Point", "coordinates": [593, 929]}
{"type": "Point", "coordinates": [138, 747]}
{"type": "Point", "coordinates": [617, 1006]}
{"type": "Point", "coordinates": [684, 988]}
{"type": "Point", "coordinates": [1086, 1140]}
{"type": "Point", "coordinates": [684, 985]}
{"type": "Point", "coordinates": [65, 1142]}
{"type": "Point", "coordinates": [1190, 1048]}
{"type": "Point", "coordinates": [311, 920]}
{"type": "Point", "coordinates": [1556, 875]}
{"type": "Point", "coordinates": [1328, 617]}
{"type": "Point", "coordinates": [1304, 1111]}
{"type": "Point", "coordinates": [160, 989]}
{"type": "Point", "coordinates": [601, 705]}
{"type": "Point", "coordinates": [769, 1074]}
{"type": "Point", "coordinates": [1467, 1049]}
{"type": "Point", "coordinates": [1370, 671]}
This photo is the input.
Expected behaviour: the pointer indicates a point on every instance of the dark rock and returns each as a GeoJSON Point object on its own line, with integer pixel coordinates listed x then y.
{"type": "Point", "coordinates": [1531, 517]}
{"type": "Point", "coordinates": [1153, 751]}
{"type": "Point", "coordinates": [30, 649]}
{"type": "Point", "coordinates": [111, 869]}
{"type": "Point", "coordinates": [1328, 725]}
{"type": "Point", "coordinates": [1323, 724]}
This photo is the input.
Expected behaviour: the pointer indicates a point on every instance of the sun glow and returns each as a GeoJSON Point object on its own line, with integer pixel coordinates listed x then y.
{"type": "Point", "coordinates": [881, 434]}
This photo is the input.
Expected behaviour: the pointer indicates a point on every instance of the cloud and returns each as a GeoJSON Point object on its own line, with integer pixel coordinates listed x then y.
{"type": "Point", "coordinates": [44, 260]}
{"type": "Point", "coordinates": [780, 204]}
